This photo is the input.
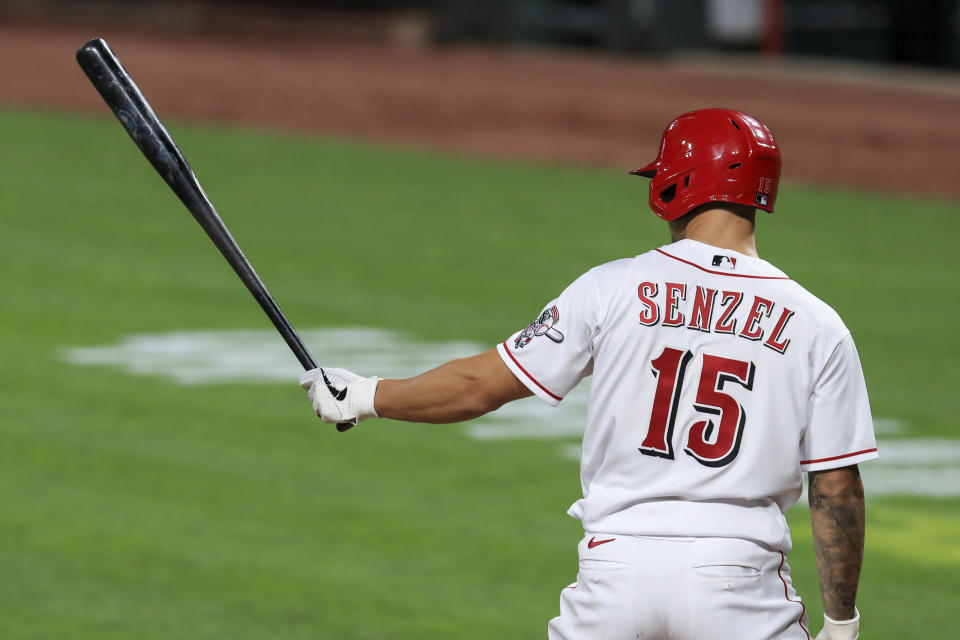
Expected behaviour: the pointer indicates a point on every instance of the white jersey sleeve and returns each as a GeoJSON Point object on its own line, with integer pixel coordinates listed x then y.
{"type": "Point", "coordinates": [840, 429]}
{"type": "Point", "coordinates": [555, 352]}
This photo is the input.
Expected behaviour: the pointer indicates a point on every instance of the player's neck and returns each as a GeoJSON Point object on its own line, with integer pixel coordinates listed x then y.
{"type": "Point", "coordinates": [726, 228]}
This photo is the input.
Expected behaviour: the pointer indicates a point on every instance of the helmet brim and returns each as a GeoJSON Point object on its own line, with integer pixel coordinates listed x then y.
{"type": "Point", "coordinates": [647, 172]}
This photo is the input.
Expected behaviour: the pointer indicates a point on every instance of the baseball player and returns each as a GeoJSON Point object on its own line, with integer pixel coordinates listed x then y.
{"type": "Point", "coordinates": [717, 381]}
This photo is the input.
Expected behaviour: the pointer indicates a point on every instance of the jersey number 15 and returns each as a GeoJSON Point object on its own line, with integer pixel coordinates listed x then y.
{"type": "Point", "coordinates": [713, 445]}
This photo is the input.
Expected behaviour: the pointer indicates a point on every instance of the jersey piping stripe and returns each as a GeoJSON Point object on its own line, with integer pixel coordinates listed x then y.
{"type": "Point", "coordinates": [786, 594]}
{"type": "Point", "coordinates": [721, 273]}
{"type": "Point", "coordinates": [527, 373]}
{"type": "Point", "coordinates": [846, 455]}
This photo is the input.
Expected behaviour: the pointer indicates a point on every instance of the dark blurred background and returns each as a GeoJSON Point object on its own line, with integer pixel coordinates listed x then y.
{"type": "Point", "coordinates": [910, 32]}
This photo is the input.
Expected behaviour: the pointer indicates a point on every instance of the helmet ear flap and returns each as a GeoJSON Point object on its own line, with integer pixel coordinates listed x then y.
{"type": "Point", "coordinates": [668, 194]}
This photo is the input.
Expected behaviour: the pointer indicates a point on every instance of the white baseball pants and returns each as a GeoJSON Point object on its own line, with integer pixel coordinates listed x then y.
{"type": "Point", "coordinates": [633, 587]}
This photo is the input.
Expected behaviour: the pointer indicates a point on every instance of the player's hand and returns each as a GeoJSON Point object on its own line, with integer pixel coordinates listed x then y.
{"type": "Point", "coordinates": [840, 629]}
{"type": "Point", "coordinates": [340, 396]}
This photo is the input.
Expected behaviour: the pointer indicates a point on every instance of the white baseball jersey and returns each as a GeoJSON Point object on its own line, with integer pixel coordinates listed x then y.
{"type": "Point", "coordinates": [717, 380]}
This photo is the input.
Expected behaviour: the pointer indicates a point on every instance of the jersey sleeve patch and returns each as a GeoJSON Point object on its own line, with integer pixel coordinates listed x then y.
{"type": "Point", "coordinates": [555, 352]}
{"type": "Point", "coordinates": [542, 326]}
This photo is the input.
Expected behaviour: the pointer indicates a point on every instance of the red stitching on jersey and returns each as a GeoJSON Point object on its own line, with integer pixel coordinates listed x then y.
{"type": "Point", "coordinates": [846, 455]}
{"type": "Point", "coordinates": [721, 273]}
{"type": "Point", "coordinates": [527, 373]}
{"type": "Point", "coordinates": [786, 594]}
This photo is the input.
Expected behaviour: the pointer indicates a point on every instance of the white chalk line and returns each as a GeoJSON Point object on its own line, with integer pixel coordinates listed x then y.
{"type": "Point", "coordinates": [919, 467]}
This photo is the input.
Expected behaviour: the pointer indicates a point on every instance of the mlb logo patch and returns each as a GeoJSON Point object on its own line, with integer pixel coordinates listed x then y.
{"type": "Point", "coordinates": [762, 200]}
{"type": "Point", "coordinates": [725, 262]}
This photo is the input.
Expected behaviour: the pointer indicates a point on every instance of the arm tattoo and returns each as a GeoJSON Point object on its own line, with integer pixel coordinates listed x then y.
{"type": "Point", "coordinates": [837, 517]}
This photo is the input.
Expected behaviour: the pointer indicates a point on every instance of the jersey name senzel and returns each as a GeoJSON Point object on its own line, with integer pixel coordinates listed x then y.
{"type": "Point", "coordinates": [714, 311]}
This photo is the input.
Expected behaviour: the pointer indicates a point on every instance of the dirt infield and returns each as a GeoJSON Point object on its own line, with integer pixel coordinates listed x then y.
{"type": "Point", "coordinates": [893, 132]}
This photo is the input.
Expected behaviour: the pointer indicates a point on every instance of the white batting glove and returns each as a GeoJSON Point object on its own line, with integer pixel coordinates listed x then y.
{"type": "Point", "coordinates": [840, 629]}
{"type": "Point", "coordinates": [340, 396]}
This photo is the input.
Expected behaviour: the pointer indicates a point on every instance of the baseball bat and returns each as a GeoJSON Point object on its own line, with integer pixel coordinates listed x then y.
{"type": "Point", "coordinates": [124, 98]}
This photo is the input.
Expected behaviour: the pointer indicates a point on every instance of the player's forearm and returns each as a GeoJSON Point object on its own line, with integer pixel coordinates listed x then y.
{"type": "Point", "coordinates": [458, 390]}
{"type": "Point", "coordinates": [441, 395]}
{"type": "Point", "coordinates": [838, 520]}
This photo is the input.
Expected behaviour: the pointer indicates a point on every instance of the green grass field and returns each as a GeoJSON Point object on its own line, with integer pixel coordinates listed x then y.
{"type": "Point", "coordinates": [134, 507]}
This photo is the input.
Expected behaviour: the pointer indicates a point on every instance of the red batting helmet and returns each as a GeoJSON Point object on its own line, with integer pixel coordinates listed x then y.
{"type": "Point", "coordinates": [713, 155]}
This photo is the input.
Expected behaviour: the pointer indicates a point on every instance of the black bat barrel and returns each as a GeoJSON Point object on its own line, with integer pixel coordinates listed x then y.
{"type": "Point", "coordinates": [135, 114]}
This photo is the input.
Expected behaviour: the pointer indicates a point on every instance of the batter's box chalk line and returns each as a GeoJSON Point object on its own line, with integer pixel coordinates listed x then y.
{"type": "Point", "coordinates": [905, 467]}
